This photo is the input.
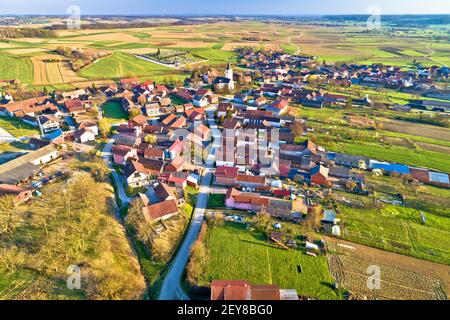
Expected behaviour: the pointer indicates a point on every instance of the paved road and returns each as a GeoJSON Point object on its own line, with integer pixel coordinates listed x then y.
{"type": "Point", "coordinates": [120, 181]}
{"type": "Point", "coordinates": [171, 289]}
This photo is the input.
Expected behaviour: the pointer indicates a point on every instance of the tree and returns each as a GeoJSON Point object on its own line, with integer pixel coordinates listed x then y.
{"type": "Point", "coordinates": [133, 113]}
{"type": "Point", "coordinates": [349, 103]}
{"type": "Point", "coordinates": [313, 218]}
{"type": "Point", "coordinates": [215, 219]}
{"type": "Point", "coordinates": [350, 185]}
{"type": "Point", "coordinates": [136, 221]}
{"type": "Point", "coordinates": [262, 221]}
{"type": "Point", "coordinates": [151, 139]}
{"type": "Point", "coordinates": [104, 127]}
{"type": "Point", "coordinates": [197, 263]}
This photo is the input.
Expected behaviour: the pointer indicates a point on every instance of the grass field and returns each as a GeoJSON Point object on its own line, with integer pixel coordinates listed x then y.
{"type": "Point", "coordinates": [16, 67]}
{"type": "Point", "coordinates": [113, 112]}
{"type": "Point", "coordinates": [17, 128]}
{"type": "Point", "coordinates": [121, 65]}
{"type": "Point", "coordinates": [235, 253]}
{"type": "Point", "coordinates": [399, 229]}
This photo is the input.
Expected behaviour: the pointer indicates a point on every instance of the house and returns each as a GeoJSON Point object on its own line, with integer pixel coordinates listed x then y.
{"type": "Point", "coordinates": [349, 160]}
{"type": "Point", "coordinates": [179, 123]}
{"type": "Point", "coordinates": [175, 166]}
{"type": "Point", "coordinates": [154, 154]}
{"type": "Point", "coordinates": [260, 101]}
{"type": "Point", "coordinates": [245, 200]}
{"type": "Point", "coordinates": [26, 166]}
{"type": "Point", "coordinates": [243, 290]}
{"type": "Point", "coordinates": [249, 181]}
{"type": "Point", "coordinates": [129, 83]}
{"type": "Point", "coordinates": [160, 211]}
{"type": "Point", "coordinates": [202, 131]}
{"type": "Point", "coordinates": [183, 95]}
{"type": "Point", "coordinates": [89, 125]}
{"type": "Point", "coordinates": [128, 105]}
{"type": "Point", "coordinates": [84, 135]}
{"type": "Point", "coordinates": [20, 194]}
{"type": "Point", "coordinates": [224, 108]}
{"type": "Point", "coordinates": [319, 175]}
{"type": "Point", "coordinates": [74, 106]}
{"type": "Point", "coordinates": [135, 174]}
{"type": "Point", "coordinates": [176, 179]}
{"type": "Point", "coordinates": [278, 106]}
{"type": "Point", "coordinates": [164, 193]}
{"type": "Point", "coordinates": [48, 123]}
{"type": "Point", "coordinates": [12, 108]}
{"type": "Point", "coordinates": [138, 121]}
{"type": "Point", "coordinates": [226, 175]}
{"type": "Point", "coordinates": [153, 110]}
{"type": "Point", "coordinates": [38, 143]}
{"type": "Point", "coordinates": [176, 148]}
{"type": "Point", "coordinates": [241, 98]}
{"type": "Point", "coordinates": [121, 154]}
{"type": "Point", "coordinates": [195, 114]}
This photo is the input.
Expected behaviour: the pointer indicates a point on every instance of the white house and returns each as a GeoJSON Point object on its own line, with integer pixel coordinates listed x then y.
{"type": "Point", "coordinates": [84, 135]}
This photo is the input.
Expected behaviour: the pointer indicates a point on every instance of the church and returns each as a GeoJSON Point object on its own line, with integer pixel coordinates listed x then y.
{"type": "Point", "coordinates": [227, 82]}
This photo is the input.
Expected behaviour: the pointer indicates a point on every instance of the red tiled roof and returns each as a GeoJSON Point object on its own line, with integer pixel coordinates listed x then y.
{"type": "Point", "coordinates": [228, 172]}
{"type": "Point", "coordinates": [160, 210]}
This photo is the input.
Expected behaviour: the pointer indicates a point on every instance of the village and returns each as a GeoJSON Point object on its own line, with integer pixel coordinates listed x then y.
{"type": "Point", "coordinates": [226, 143]}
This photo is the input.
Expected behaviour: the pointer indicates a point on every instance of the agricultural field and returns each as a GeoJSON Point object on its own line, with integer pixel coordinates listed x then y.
{"type": "Point", "coordinates": [403, 142]}
{"type": "Point", "coordinates": [395, 284]}
{"type": "Point", "coordinates": [398, 229]}
{"type": "Point", "coordinates": [249, 256]}
{"type": "Point", "coordinates": [215, 42]}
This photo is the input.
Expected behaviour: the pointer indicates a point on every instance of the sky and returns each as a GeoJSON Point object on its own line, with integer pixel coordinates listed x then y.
{"type": "Point", "coordinates": [228, 7]}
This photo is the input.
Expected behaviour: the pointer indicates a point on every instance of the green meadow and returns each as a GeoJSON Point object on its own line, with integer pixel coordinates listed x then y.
{"type": "Point", "coordinates": [238, 254]}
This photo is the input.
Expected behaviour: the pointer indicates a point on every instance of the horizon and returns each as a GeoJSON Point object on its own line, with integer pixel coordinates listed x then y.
{"type": "Point", "coordinates": [230, 8]}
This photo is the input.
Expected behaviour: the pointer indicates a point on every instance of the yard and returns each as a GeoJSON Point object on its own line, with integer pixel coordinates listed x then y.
{"type": "Point", "coordinates": [236, 253]}
{"type": "Point", "coordinates": [113, 112]}
{"type": "Point", "coordinates": [17, 128]}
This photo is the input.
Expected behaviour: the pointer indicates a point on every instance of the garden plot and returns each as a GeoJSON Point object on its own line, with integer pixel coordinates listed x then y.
{"type": "Point", "coordinates": [397, 284]}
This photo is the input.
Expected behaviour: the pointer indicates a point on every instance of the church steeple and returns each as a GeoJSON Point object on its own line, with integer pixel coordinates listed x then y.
{"type": "Point", "coordinates": [229, 71]}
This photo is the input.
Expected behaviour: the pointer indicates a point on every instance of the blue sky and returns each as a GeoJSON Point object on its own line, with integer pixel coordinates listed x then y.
{"type": "Point", "coordinates": [204, 7]}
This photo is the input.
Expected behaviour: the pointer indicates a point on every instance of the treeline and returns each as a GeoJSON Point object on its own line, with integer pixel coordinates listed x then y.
{"type": "Point", "coordinates": [80, 58]}
{"type": "Point", "coordinates": [128, 25]}
{"type": "Point", "coordinates": [12, 33]}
